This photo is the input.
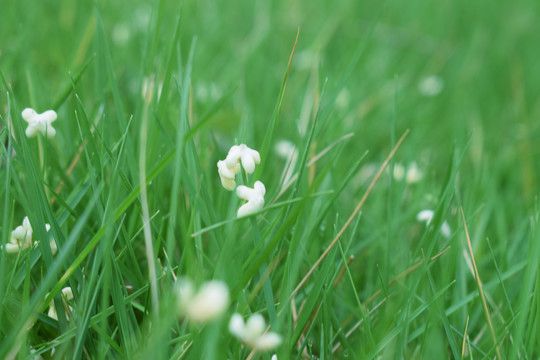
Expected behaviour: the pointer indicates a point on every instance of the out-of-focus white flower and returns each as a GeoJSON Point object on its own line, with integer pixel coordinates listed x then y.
{"type": "Point", "coordinates": [431, 86]}
{"type": "Point", "coordinates": [427, 215]}
{"type": "Point", "coordinates": [34, 355]}
{"type": "Point", "coordinates": [209, 302]}
{"type": "Point", "coordinates": [21, 238]}
{"type": "Point", "coordinates": [67, 295]}
{"type": "Point", "coordinates": [39, 123]}
{"type": "Point", "coordinates": [412, 173]}
{"type": "Point", "coordinates": [254, 197]}
{"type": "Point", "coordinates": [252, 333]}
{"type": "Point", "coordinates": [227, 174]}
{"type": "Point", "coordinates": [274, 357]}
{"type": "Point", "coordinates": [248, 157]}
{"type": "Point", "coordinates": [399, 172]}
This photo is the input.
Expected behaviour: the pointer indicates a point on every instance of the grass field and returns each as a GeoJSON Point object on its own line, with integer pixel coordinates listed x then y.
{"type": "Point", "coordinates": [364, 114]}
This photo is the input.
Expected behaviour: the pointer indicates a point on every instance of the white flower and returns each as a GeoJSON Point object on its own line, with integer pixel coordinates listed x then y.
{"type": "Point", "coordinates": [67, 295]}
{"type": "Point", "coordinates": [229, 167]}
{"type": "Point", "coordinates": [399, 172]}
{"type": "Point", "coordinates": [427, 215]}
{"type": "Point", "coordinates": [41, 123]}
{"type": "Point", "coordinates": [252, 332]}
{"type": "Point", "coordinates": [227, 175]}
{"type": "Point", "coordinates": [209, 302]}
{"type": "Point", "coordinates": [254, 197]}
{"type": "Point", "coordinates": [248, 157]}
{"type": "Point", "coordinates": [431, 86]}
{"type": "Point", "coordinates": [274, 357]}
{"type": "Point", "coordinates": [21, 238]}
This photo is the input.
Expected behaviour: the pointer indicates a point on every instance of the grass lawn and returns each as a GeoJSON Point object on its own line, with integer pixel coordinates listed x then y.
{"type": "Point", "coordinates": [399, 166]}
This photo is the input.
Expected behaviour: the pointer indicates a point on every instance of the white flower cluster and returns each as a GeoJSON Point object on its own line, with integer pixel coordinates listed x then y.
{"type": "Point", "coordinates": [39, 123]}
{"type": "Point", "coordinates": [228, 168]}
{"type": "Point", "coordinates": [21, 238]}
{"type": "Point", "coordinates": [252, 333]}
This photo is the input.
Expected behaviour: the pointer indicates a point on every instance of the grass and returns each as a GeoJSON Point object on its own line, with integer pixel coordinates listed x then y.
{"type": "Point", "coordinates": [150, 95]}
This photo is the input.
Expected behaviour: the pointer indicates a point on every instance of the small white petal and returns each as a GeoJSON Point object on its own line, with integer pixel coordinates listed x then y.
{"type": "Point", "coordinates": [267, 341]}
{"type": "Point", "coordinates": [237, 327]}
{"type": "Point", "coordinates": [252, 332]}
{"type": "Point", "coordinates": [28, 114]}
{"type": "Point", "coordinates": [244, 192]}
{"type": "Point", "coordinates": [67, 293]}
{"type": "Point", "coordinates": [26, 224]}
{"type": "Point", "coordinates": [234, 154]}
{"type": "Point", "coordinates": [248, 163]}
{"type": "Point", "coordinates": [259, 188]}
{"type": "Point", "coordinates": [253, 205]}
{"type": "Point", "coordinates": [228, 184]}
{"type": "Point", "coordinates": [414, 174]}
{"type": "Point", "coordinates": [11, 248]}
{"type": "Point", "coordinates": [248, 157]}
{"type": "Point", "coordinates": [255, 325]}
{"type": "Point", "coordinates": [227, 172]}
{"type": "Point", "coordinates": [399, 172]}
{"type": "Point", "coordinates": [445, 230]}
{"type": "Point", "coordinates": [54, 248]}
{"type": "Point", "coordinates": [19, 233]}
{"type": "Point", "coordinates": [425, 215]}
{"type": "Point", "coordinates": [274, 357]}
